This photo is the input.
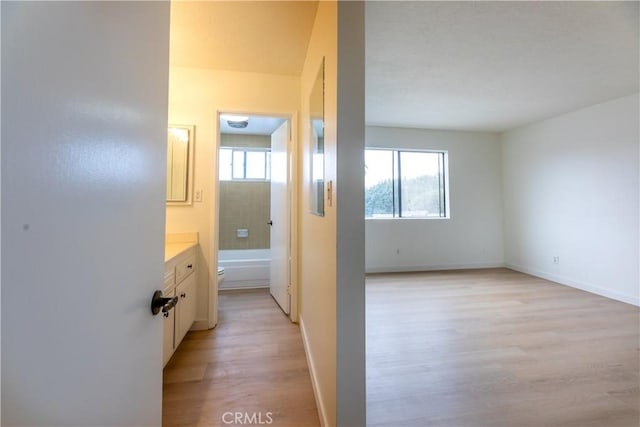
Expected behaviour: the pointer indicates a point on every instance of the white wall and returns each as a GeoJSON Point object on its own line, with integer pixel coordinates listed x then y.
{"type": "Point", "coordinates": [349, 188]}
{"type": "Point", "coordinates": [195, 97]}
{"type": "Point", "coordinates": [473, 235]}
{"type": "Point", "coordinates": [571, 189]}
{"type": "Point", "coordinates": [331, 247]}
{"type": "Point", "coordinates": [317, 235]}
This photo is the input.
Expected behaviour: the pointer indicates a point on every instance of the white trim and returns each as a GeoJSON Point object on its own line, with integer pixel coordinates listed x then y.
{"type": "Point", "coordinates": [292, 117]}
{"type": "Point", "coordinates": [212, 297]}
{"type": "Point", "coordinates": [405, 218]}
{"type": "Point", "coordinates": [565, 281]}
{"type": "Point", "coordinates": [190, 164]}
{"type": "Point", "coordinates": [294, 143]}
{"type": "Point", "coordinates": [243, 284]}
{"type": "Point", "coordinates": [436, 267]}
{"type": "Point", "coordinates": [445, 175]}
{"type": "Point", "coordinates": [322, 413]}
{"type": "Point", "coordinates": [200, 325]}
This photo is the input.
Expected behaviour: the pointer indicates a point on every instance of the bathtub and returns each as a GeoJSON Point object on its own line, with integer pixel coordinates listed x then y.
{"type": "Point", "coordinates": [245, 268]}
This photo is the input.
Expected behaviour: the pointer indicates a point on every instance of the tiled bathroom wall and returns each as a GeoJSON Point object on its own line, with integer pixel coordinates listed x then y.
{"type": "Point", "coordinates": [244, 205]}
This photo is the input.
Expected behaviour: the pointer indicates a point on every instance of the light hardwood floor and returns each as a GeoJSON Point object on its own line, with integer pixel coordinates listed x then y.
{"type": "Point", "coordinates": [467, 348]}
{"type": "Point", "coordinates": [498, 348]}
{"type": "Point", "coordinates": [253, 362]}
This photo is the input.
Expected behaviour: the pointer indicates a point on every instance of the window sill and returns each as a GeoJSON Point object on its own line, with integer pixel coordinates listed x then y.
{"type": "Point", "coordinates": [409, 218]}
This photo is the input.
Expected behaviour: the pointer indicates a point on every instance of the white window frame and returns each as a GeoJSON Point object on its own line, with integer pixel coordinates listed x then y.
{"type": "Point", "coordinates": [397, 185]}
{"type": "Point", "coordinates": [245, 150]}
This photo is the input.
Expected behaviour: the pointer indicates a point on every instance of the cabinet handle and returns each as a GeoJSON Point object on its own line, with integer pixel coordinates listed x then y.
{"type": "Point", "coordinates": [190, 266]}
{"type": "Point", "coordinates": [183, 295]}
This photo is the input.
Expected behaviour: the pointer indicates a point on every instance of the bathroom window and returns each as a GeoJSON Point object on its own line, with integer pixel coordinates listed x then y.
{"type": "Point", "coordinates": [406, 184]}
{"type": "Point", "coordinates": [245, 164]}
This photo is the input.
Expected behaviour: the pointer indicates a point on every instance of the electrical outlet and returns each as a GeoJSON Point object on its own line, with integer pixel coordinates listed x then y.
{"type": "Point", "coordinates": [556, 259]}
{"type": "Point", "coordinates": [197, 196]}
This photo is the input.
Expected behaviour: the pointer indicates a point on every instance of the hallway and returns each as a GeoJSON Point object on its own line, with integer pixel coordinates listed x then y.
{"type": "Point", "coordinates": [252, 365]}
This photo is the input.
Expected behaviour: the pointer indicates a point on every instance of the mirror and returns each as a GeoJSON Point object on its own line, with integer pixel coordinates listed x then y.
{"type": "Point", "coordinates": [179, 164]}
{"type": "Point", "coordinates": [316, 116]}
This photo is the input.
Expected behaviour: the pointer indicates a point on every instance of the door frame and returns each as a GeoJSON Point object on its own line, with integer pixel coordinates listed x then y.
{"type": "Point", "coordinates": [292, 207]}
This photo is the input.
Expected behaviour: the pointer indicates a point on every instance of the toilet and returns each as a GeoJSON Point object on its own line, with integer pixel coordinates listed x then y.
{"type": "Point", "coordinates": [220, 275]}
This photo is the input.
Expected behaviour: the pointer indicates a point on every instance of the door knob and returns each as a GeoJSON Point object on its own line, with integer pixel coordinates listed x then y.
{"type": "Point", "coordinates": [158, 302]}
{"type": "Point", "coordinates": [270, 222]}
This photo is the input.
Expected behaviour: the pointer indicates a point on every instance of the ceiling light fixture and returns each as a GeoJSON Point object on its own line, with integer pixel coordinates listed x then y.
{"type": "Point", "coordinates": [238, 122]}
{"type": "Point", "coordinates": [237, 125]}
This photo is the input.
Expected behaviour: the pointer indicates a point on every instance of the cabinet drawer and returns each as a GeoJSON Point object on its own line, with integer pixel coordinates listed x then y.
{"type": "Point", "coordinates": [185, 268]}
{"type": "Point", "coordinates": [169, 278]}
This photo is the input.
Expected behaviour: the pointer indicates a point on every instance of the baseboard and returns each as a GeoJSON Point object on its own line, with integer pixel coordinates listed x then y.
{"type": "Point", "coordinates": [200, 325]}
{"type": "Point", "coordinates": [437, 267]}
{"type": "Point", "coordinates": [244, 284]}
{"type": "Point", "coordinates": [575, 284]}
{"type": "Point", "coordinates": [241, 287]}
{"type": "Point", "coordinates": [322, 413]}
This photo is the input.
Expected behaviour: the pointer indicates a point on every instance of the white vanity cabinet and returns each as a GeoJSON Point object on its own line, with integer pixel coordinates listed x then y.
{"type": "Point", "coordinates": [169, 331]}
{"type": "Point", "coordinates": [179, 280]}
{"type": "Point", "coordinates": [186, 308]}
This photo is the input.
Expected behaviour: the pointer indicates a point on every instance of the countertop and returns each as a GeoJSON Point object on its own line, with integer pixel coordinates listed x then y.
{"type": "Point", "coordinates": [171, 250]}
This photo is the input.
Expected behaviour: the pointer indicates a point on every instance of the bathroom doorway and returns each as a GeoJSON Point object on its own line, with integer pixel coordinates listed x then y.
{"type": "Point", "coordinates": [254, 205]}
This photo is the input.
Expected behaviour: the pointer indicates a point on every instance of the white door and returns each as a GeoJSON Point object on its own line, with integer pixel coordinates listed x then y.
{"type": "Point", "coordinates": [279, 276]}
{"type": "Point", "coordinates": [84, 128]}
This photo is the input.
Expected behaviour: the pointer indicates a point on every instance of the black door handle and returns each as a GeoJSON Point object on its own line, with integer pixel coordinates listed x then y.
{"type": "Point", "coordinates": [158, 302]}
{"type": "Point", "coordinates": [270, 222]}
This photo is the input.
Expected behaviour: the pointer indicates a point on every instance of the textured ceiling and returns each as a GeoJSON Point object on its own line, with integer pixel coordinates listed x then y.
{"type": "Point", "coordinates": [495, 65]}
{"type": "Point", "coordinates": [253, 36]}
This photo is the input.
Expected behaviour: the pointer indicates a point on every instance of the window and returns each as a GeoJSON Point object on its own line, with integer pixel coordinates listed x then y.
{"type": "Point", "coordinates": [245, 164]}
{"type": "Point", "coordinates": [405, 184]}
